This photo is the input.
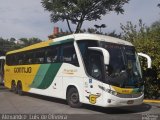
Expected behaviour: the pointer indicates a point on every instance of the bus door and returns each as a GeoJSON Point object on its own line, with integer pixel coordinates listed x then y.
{"type": "Point", "coordinates": [95, 70]}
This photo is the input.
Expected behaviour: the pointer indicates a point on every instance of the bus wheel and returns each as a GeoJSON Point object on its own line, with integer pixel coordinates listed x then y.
{"type": "Point", "coordinates": [73, 98]}
{"type": "Point", "coordinates": [13, 87]}
{"type": "Point", "coordinates": [19, 88]}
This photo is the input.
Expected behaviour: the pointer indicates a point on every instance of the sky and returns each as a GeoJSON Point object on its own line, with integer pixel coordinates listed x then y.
{"type": "Point", "coordinates": [27, 18]}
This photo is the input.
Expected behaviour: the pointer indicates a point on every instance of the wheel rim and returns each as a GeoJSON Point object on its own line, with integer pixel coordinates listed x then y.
{"type": "Point", "coordinates": [13, 87]}
{"type": "Point", "coordinates": [74, 98]}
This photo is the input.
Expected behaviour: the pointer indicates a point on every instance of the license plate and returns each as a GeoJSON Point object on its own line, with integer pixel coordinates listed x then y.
{"type": "Point", "coordinates": [130, 101]}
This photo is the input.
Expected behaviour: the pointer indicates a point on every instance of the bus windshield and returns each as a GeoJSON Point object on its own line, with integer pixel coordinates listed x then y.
{"type": "Point", "coordinates": [124, 67]}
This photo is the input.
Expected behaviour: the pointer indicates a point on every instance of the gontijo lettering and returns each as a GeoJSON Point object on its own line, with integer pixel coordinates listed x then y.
{"type": "Point", "coordinates": [22, 70]}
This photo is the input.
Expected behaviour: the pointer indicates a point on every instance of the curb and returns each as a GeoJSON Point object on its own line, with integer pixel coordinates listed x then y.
{"type": "Point", "coordinates": [151, 101]}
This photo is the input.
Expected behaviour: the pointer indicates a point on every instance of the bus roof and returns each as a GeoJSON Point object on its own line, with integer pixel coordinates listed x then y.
{"type": "Point", "coordinates": [104, 38]}
{"type": "Point", "coordinates": [76, 37]}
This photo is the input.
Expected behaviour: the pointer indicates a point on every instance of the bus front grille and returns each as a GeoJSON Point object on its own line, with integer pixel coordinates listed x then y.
{"type": "Point", "coordinates": [129, 95]}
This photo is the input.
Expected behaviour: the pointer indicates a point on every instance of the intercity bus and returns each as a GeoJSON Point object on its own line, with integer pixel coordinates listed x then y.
{"type": "Point", "coordinates": [2, 61]}
{"type": "Point", "coordinates": [81, 68]}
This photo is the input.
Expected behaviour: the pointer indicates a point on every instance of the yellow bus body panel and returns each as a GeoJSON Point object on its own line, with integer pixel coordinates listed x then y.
{"type": "Point", "coordinates": [25, 78]}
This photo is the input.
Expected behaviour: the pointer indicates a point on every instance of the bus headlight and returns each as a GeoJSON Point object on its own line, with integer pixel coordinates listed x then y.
{"type": "Point", "coordinates": [109, 91]}
{"type": "Point", "coordinates": [114, 93]}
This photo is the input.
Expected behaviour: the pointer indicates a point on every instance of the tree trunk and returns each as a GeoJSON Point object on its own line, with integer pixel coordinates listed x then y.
{"type": "Point", "coordinates": [69, 25]}
{"type": "Point", "coordinates": [78, 27]}
{"type": "Point", "coordinates": [80, 23]}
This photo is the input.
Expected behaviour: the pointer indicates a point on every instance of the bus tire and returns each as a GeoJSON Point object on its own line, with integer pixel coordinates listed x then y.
{"type": "Point", "coordinates": [19, 88]}
{"type": "Point", "coordinates": [13, 87]}
{"type": "Point", "coordinates": [73, 98]}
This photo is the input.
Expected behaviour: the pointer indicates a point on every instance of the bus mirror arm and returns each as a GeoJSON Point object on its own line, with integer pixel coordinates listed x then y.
{"type": "Point", "coordinates": [104, 52]}
{"type": "Point", "coordinates": [149, 72]}
{"type": "Point", "coordinates": [149, 61]}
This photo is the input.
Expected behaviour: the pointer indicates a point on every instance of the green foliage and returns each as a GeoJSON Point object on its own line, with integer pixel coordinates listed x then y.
{"type": "Point", "coordinates": [91, 30]}
{"type": "Point", "coordinates": [78, 11]}
{"type": "Point", "coordinates": [10, 44]}
{"type": "Point", "coordinates": [6, 45]}
{"type": "Point", "coordinates": [146, 40]}
{"type": "Point", "coordinates": [113, 34]}
{"type": "Point", "coordinates": [30, 41]}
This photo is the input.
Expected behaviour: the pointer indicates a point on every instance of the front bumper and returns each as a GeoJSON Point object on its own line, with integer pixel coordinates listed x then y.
{"type": "Point", "coordinates": [114, 101]}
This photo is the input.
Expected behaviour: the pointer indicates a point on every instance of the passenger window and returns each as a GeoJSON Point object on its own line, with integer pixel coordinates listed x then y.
{"type": "Point", "coordinates": [29, 58]}
{"type": "Point", "coordinates": [40, 56]}
{"type": "Point", "coordinates": [52, 55]}
{"type": "Point", "coordinates": [69, 54]}
{"type": "Point", "coordinates": [20, 59]}
{"type": "Point", "coordinates": [8, 60]}
{"type": "Point", "coordinates": [14, 59]}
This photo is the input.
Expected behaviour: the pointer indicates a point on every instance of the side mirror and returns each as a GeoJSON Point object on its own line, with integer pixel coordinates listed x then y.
{"type": "Point", "coordinates": [149, 61]}
{"type": "Point", "coordinates": [104, 52]}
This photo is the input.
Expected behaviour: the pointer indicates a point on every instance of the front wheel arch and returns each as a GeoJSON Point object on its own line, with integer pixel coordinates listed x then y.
{"type": "Point", "coordinates": [71, 92]}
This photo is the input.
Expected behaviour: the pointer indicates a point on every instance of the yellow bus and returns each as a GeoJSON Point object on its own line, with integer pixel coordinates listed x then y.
{"type": "Point", "coordinates": [81, 68]}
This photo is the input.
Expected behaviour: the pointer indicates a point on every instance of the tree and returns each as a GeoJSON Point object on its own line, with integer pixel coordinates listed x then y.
{"type": "Point", "coordinates": [132, 32]}
{"type": "Point", "coordinates": [91, 30]}
{"type": "Point", "coordinates": [34, 40]}
{"type": "Point", "coordinates": [29, 41]}
{"type": "Point", "coordinates": [114, 34]}
{"type": "Point", "coordinates": [155, 25]}
{"type": "Point", "coordinates": [12, 39]}
{"type": "Point", "coordinates": [78, 11]}
{"type": "Point", "coordinates": [6, 45]}
{"type": "Point", "coordinates": [24, 41]}
{"type": "Point", "coordinates": [9, 44]}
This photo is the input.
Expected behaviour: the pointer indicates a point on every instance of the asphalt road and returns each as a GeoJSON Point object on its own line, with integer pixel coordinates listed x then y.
{"type": "Point", "coordinates": [11, 103]}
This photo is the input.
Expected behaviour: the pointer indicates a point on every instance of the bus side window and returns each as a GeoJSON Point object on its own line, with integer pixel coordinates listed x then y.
{"type": "Point", "coordinates": [52, 54]}
{"type": "Point", "coordinates": [29, 58]}
{"type": "Point", "coordinates": [20, 59]}
{"type": "Point", "coordinates": [8, 60]}
{"type": "Point", "coordinates": [39, 56]}
{"type": "Point", "coordinates": [14, 59]}
{"type": "Point", "coordinates": [69, 54]}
